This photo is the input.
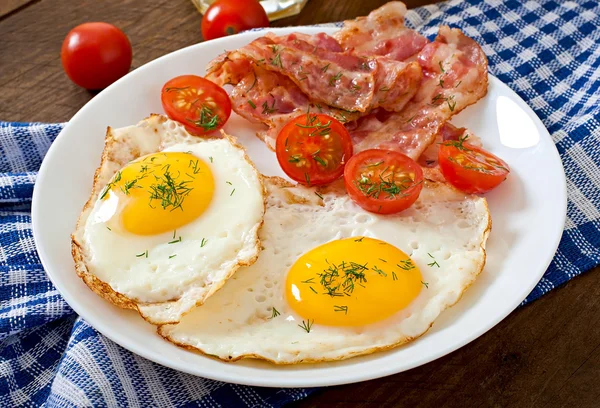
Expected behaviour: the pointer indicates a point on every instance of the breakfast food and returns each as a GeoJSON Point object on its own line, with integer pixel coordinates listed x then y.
{"type": "Point", "coordinates": [381, 234]}
{"type": "Point", "coordinates": [334, 281]}
{"type": "Point", "coordinates": [162, 230]}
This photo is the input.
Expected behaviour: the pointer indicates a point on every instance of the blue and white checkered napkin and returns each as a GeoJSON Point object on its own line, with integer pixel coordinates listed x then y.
{"type": "Point", "coordinates": [548, 51]}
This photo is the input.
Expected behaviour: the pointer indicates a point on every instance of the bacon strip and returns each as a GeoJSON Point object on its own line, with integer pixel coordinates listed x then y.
{"type": "Point", "coordinates": [455, 76]}
{"type": "Point", "coordinates": [382, 32]}
{"type": "Point", "coordinates": [338, 79]}
{"type": "Point", "coordinates": [263, 96]}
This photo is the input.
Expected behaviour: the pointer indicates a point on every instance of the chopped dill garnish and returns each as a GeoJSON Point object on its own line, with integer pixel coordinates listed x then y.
{"type": "Point", "coordinates": [229, 182]}
{"type": "Point", "coordinates": [359, 240]}
{"type": "Point", "coordinates": [311, 280]}
{"type": "Point", "coordinates": [441, 67]}
{"type": "Point", "coordinates": [325, 68]}
{"type": "Point", "coordinates": [307, 178]}
{"type": "Point", "coordinates": [268, 110]}
{"type": "Point", "coordinates": [144, 254]}
{"type": "Point", "coordinates": [251, 104]}
{"type": "Point", "coordinates": [318, 195]}
{"type": "Point", "coordinates": [194, 165]}
{"type": "Point", "coordinates": [169, 191]}
{"type": "Point", "coordinates": [313, 289]}
{"type": "Point", "coordinates": [306, 325]}
{"type": "Point", "coordinates": [434, 263]}
{"type": "Point", "coordinates": [203, 242]}
{"type": "Point", "coordinates": [171, 89]}
{"type": "Point", "coordinates": [232, 191]}
{"type": "Point", "coordinates": [384, 89]}
{"type": "Point", "coordinates": [335, 78]}
{"type": "Point", "coordinates": [174, 233]}
{"type": "Point", "coordinates": [208, 120]}
{"type": "Point", "coordinates": [426, 284]}
{"type": "Point", "coordinates": [382, 260]}
{"type": "Point", "coordinates": [275, 313]}
{"type": "Point", "coordinates": [339, 280]}
{"type": "Point", "coordinates": [108, 228]}
{"type": "Point", "coordinates": [175, 240]}
{"type": "Point", "coordinates": [116, 179]}
{"type": "Point", "coordinates": [319, 160]}
{"type": "Point", "coordinates": [394, 276]}
{"type": "Point", "coordinates": [379, 271]}
{"type": "Point", "coordinates": [210, 158]}
{"type": "Point", "coordinates": [253, 83]}
{"type": "Point", "coordinates": [406, 265]}
{"type": "Point", "coordinates": [375, 164]}
{"type": "Point", "coordinates": [172, 256]}
{"type": "Point", "coordinates": [340, 309]}
{"type": "Point", "coordinates": [388, 182]}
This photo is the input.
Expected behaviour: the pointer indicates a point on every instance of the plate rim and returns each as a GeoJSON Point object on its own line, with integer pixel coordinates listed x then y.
{"type": "Point", "coordinates": [124, 341]}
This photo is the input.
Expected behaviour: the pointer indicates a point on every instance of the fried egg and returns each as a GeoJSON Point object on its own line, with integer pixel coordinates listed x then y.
{"type": "Point", "coordinates": [163, 229]}
{"type": "Point", "coordinates": [334, 281]}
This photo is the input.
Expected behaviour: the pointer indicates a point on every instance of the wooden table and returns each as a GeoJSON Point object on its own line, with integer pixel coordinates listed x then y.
{"type": "Point", "coordinates": [546, 354]}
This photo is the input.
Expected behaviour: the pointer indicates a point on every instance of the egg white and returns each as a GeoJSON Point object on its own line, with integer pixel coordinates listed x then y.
{"type": "Point", "coordinates": [238, 322]}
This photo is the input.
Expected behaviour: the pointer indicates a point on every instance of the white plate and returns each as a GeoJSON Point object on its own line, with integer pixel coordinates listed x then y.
{"type": "Point", "coordinates": [528, 219]}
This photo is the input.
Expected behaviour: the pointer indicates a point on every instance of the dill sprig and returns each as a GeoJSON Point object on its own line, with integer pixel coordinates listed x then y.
{"type": "Point", "coordinates": [426, 284]}
{"type": "Point", "coordinates": [340, 309]}
{"type": "Point", "coordinates": [114, 181]}
{"type": "Point", "coordinates": [434, 263]}
{"type": "Point", "coordinates": [335, 78]}
{"type": "Point", "coordinates": [274, 313]}
{"type": "Point", "coordinates": [208, 120]}
{"type": "Point", "coordinates": [268, 110]}
{"type": "Point", "coordinates": [406, 265]}
{"type": "Point", "coordinates": [203, 242]}
{"type": "Point", "coordinates": [307, 325]}
{"type": "Point", "coordinates": [379, 271]}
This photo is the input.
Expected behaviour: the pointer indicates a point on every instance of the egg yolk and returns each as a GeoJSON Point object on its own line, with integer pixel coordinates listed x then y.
{"type": "Point", "coordinates": [352, 282]}
{"type": "Point", "coordinates": [159, 192]}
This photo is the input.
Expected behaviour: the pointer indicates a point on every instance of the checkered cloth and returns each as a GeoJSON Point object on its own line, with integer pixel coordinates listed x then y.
{"type": "Point", "coordinates": [547, 51]}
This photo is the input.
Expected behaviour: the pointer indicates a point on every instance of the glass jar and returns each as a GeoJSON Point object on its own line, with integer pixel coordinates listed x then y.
{"type": "Point", "coordinates": [275, 9]}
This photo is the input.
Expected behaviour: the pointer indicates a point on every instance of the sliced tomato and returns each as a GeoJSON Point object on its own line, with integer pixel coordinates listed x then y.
{"type": "Point", "coordinates": [197, 103]}
{"type": "Point", "coordinates": [312, 149]}
{"type": "Point", "coordinates": [383, 181]}
{"type": "Point", "coordinates": [470, 168]}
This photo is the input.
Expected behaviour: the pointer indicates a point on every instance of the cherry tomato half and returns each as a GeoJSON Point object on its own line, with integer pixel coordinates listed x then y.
{"type": "Point", "coordinates": [383, 181]}
{"type": "Point", "coordinates": [197, 103]}
{"type": "Point", "coordinates": [228, 17]}
{"type": "Point", "coordinates": [469, 168]}
{"type": "Point", "coordinates": [312, 149]}
{"type": "Point", "coordinates": [94, 55]}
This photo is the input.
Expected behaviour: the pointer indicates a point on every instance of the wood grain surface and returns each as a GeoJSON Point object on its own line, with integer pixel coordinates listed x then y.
{"type": "Point", "coordinates": [546, 354]}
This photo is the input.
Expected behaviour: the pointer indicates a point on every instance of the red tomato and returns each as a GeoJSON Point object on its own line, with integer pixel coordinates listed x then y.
{"type": "Point", "coordinates": [94, 55]}
{"type": "Point", "coordinates": [197, 103]}
{"type": "Point", "coordinates": [470, 168]}
{"type": "Point", "coordinates": [383, 181]}
{"type": "Point", "coordinates": [228, 17]}
{"type": "Point", "coordinates": [312, 149]}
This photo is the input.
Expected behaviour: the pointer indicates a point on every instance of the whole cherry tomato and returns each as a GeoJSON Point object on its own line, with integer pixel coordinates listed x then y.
{"type": "Point", "coordinates": [228, 17]}
{"type": "Point", "coordinates": [94, 55]}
